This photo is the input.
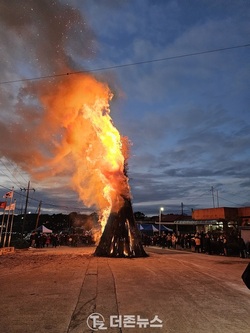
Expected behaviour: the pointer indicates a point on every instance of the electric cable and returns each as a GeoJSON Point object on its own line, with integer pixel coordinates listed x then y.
{"type": "Point", "coordinates": [17, 183]}
{"type": "Point", "coordinates": [127, 65]}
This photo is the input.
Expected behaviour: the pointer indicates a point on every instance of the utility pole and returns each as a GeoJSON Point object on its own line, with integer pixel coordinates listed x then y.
{"type": "Point", "coordinates": [212, 190]}
{"type": "Point", "coordinates": [21, 209]}
{"type": "Point", "coordinates": [8, 219]}
{"type": "Point", "coordinates": [26, 205]}
{"type": "Point", "coordinates": [11, 224]}
{"type": "Point", "coordinates": [218, 199]}
{"type": "Point", "coordinates": [38, 214]}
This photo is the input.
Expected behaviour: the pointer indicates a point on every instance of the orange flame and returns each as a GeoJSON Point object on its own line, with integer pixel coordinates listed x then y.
{"type": "Point", "coordinates": [86, 143]}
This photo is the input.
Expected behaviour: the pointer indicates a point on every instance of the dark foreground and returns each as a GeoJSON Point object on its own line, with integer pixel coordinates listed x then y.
{"type": "Point", "coordinates": [68, 289]}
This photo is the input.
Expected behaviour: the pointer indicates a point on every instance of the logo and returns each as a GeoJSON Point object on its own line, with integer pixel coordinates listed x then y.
{"type": "Point", "coordinates": [96, 322]}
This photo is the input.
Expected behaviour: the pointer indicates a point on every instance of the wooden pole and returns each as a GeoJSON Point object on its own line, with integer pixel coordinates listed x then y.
{"type": "Point", "coordinates": [38, 214]}
{"type": "Point", "coordinates": [2, 225]}
{"type": "Point", "coordinates": [121, 237]}
{"type": "Point", "coordinates": [11, 224]}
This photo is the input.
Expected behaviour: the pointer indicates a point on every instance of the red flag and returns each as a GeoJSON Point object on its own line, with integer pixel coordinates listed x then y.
{"type": "Point", "coordinates": [2, 204]}
{"type": "Point", "coordinates": [11, 206]}
{"type": "Point", "coordinates": [8, 195]}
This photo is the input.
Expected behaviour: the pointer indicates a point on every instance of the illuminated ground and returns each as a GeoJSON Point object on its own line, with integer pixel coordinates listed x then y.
{"type": "Point", "coordinates": [55, 290]}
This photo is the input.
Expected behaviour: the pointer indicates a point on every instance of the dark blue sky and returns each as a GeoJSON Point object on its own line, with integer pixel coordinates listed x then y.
{"type": "Point", "coordinates": [188, 118]}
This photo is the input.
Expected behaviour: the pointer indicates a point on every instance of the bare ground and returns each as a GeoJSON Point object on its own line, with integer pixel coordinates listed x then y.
{"type": "Point", "coordinates": [55, 290]}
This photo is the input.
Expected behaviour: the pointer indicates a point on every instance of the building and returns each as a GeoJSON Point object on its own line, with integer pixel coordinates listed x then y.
{"type": "Point", "coordinates": [207, 219]}
{"type": "Point", "coordinates": [240, 216]}
{"type": "Point", "coordinates": [210, 219]}
{"type": "Point", "coordinates": [222, 217]}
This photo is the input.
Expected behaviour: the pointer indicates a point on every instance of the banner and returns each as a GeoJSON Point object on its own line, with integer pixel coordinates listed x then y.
{"type": "Point", "coordinates": [3, 204]}
{"type": "Point", "coordinates": [8, 195]}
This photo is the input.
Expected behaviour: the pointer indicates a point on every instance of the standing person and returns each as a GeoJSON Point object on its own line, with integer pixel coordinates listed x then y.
{"type": "Point", "coordinates": [163, 240]}
{"type": "Point", "coordinates": [174, 241]}
{"type": "Point", "coordinates": [207, 243]}
{"type": "Point", "coordinates": [38, 240]}
{"type": "Point", "coordinates": [225, 245]}
{"type": "Point", "coordinates": [33, 239]}
{"type": "Point", "coordinates": [47, 241]}
{"type": "Point", "coordinates": [182, 241]}
{"type": "Point", "coordinates": [242, 247]}
{"type": "Point", "coordinates": [189, 241]}
{"type": "Point", "coordinates": [54, 240]}
{"type": "Point", "coordinates": [169, 240]}
{"type": "Point", "coordinates": [202, 236]}
{"type": "Point", "coordinates": [221, 245]}
{"type": "Point", "coordinates": [43, 240]}
{"type": "Point", "coordinates": [197, 242]}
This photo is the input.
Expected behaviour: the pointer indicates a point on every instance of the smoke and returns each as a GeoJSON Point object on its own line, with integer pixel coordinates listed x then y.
{"type": "Point", "coordinates": [43, 36]}
{"type": "Point", "coordinates": [59, 128]}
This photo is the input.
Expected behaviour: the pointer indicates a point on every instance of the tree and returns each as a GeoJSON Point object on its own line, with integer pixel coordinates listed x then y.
{"type": "Point", "coordinates": [139, 216]}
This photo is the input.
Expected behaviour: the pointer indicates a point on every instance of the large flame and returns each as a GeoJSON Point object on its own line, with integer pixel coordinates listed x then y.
{"type": "Point", "coordinates": [61, 126]}
{"type": "Point", "coordinates": [89, 146]}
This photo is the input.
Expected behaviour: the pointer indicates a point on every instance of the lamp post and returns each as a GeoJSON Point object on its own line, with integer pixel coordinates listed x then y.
{"type": "Point", "coordinates": [161, 209]}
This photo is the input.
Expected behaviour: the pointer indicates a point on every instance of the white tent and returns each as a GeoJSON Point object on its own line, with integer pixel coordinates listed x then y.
{"type": "Point", "coordinates": [153, 228]}
{"type": "Point", "coordinates": [43, 230]}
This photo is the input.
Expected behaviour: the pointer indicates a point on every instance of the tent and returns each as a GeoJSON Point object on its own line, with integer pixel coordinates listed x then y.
{"type": "Point", "coordinates": [164, 228]}
{"type": "Point", "coordinates": [153, 227]}
{"type": "Point", "coordinates": [43, 230]}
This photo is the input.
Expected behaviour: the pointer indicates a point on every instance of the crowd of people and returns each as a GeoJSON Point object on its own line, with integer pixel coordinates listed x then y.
{"type": "Point", "coordinates": [42, 240]}
{"type": "Point", "coordinates": [209, 243]}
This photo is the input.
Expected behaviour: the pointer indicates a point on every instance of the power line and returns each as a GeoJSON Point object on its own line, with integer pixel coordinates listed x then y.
{"type": "Point", "coordinates": [128, 65]}
{"type": "Point", "coordinates": [5, 175]}
{"type": "Point", "coordinates": [48, 204]}
{"type": "Point", "coordinates": [237, 204]}
{"type": "Point", "coordinates": [12, 175]}
{"type": "Point", "coordinates": [44, 203]}
{"type": "Point", "coordinates": [16, 168]}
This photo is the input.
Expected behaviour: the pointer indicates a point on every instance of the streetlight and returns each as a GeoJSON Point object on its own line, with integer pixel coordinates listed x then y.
{"type": "Point", "coordinates": [161, 209]}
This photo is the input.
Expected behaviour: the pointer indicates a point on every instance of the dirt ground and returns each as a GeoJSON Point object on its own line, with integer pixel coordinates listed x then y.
{"type": "Point", "coordinates": [33, 258]}
{"type": "Point", "coordinates": [59, 290]}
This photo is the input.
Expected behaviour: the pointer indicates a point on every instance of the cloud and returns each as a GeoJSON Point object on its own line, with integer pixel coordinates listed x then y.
{"type": "Point", "coordinates": [60, 130]}
{"type": "Point", "coordinates": [187, 118]}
